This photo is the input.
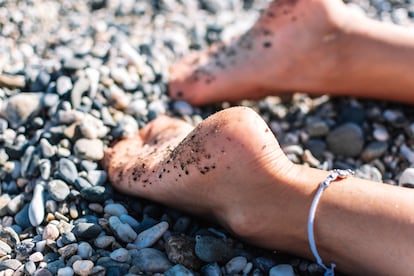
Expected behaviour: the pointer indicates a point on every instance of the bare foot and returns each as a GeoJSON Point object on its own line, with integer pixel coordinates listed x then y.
{"type": "Point", "coordinates": [222, 169]}
{"type": "Point", "coordinates": [294, 46]}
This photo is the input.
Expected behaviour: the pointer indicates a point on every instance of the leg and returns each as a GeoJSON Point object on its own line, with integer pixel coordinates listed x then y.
{"type": "Point", "coordinates": [221, 170]}
{"type": "Point", "coordinates": [314, 46]}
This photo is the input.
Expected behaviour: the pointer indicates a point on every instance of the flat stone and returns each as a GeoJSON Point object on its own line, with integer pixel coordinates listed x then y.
{"type": "Point", "coordinates": [86, 231]}
{"type": "Point", "coordinates": [407, 178]}
{"type": "Point", "coordinates": [20, 107]}
{"type": "Point", "coordinates": [4, 201]}
{"type": "Point", "coordinates": [122, 231]}
{"type": "Point", "coordinates": [58, 190]}
{"type": "Point", "coordinates": [89, 149]}
{"type": "Point", "coordinates": [151, 260]}
{"type": "Point", "coordinates": [63, 85]}
{"type": "Point", "coordinates": [115, 209]}
{"type": "Point", "coordinates": [50, 232]}
{"type": "Point", "coordinates": [5, 249]}
{"type": "Point", "coordinates": [178, 270]}
{"type": "Point", "coordinates": [151, 235]}
{"type": "Point", "coordinates": [346, 140]}
{"type": "Point", "coordinates": [374, 150]}
{"type": "Point", "coordinates": [85, 250]}
{"type": "Point", "coordinates": [65, 271]}
{"type": "Point", "coordinates": [120, 255]}
{"type": "Point", "coordinates": [82, 267]}
{"type": "Point", "coordinates": [68, 250]}
{"type": "Point", "coordinates": [104, 241]}
{"type": "Point", "coordinates": [67, 170]}
{"type": "Point", "coordinates": [282, 270]}
{"type": "Point", "coordinates": [97, 193]}
{"type": "Point", "coordinates": [210, 249]}
{"type": "Point", "coordinates": [236, 265]}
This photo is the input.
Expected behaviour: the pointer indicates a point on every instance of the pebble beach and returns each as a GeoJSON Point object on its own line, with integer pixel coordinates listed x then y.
{"type": "Point", "coordinates": [77, 75]}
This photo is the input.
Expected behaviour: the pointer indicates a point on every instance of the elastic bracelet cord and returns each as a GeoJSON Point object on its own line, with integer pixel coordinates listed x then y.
{"type": "Point", "coordinates": [334, 175]}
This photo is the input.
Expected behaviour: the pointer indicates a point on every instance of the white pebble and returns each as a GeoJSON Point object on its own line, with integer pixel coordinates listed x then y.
{"type": "Point", "coordinates": [82, 267]}
{"type": "Point", "coordinates": [65, 271]}
{"type": "Point", "coordinates": [120, 255]}
{"type": "Point", "coordinates": [282, 270]}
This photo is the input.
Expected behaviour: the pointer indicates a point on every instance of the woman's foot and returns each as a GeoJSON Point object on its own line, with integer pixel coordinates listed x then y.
{"type": "Point", "coordinates": [295, 45]}
{"type": "Point", "coordinates": [230, 167]}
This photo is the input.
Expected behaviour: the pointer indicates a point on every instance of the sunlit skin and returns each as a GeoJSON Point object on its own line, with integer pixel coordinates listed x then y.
{"type": "Point", "coordinates": [231, 168]}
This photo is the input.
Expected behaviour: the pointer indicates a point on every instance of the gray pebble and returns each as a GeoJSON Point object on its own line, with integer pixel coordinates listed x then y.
{"type": "Point", "coordinates": [68, 238]}
{"type": "Point", "coordinates": [115, 209]}
{"type": "Point", "coordinates": [120, 255]}
{"type": "Point", "coordinates": [381, 134]}
{"type": "Point", "coordinates": [81, 183]}
{"type": "Point", "coordinates": [104, 241]}
{"type": "Point", "coordinates": [10, 264]}
{"type": "Point", "coordinates": [178, 270]}
{"type": "Point", "coordinates": [89, 149]}
{"type": "Point", "coordinates": [182, 224]}
{"type": "Point", "coordinates": [20, 107]}
{"type": "Point", "coordinates": [9, 235]}
{"type": "Point", "coordinates": [125, 218]}
{"type": "Point", "coordinates": [29, 267]}
{"type": "Point", "coordinates": [15, 204]}
{"type": "Point", "coordinates": [22, 217]}
{"type": "Point", "coordinates": [374, 150]}
{"type": "Point", "coordinates": [282, 270]}
{"type": "Point", "coordinates": [4, 201]}
{"type": "Point", "coordinates": [43, 272]}
{"type": "Point", "coordinates": [151, 260]}
{"type": "Point", "coordinates": [67, 170]}
{"type": "Point", "coordinates": [50, 232]}
{"type": "Point", "coordinates": [211, 269]}
{"type": "Point", "coordinates": [68, 250]}
{"type": "Point", "coordinates": [96, 177]}
{"type": "Point", "coordinates": [45, 167]}
{"type": "Point", "coordinates": [317, 128]}
{"type": "Point", "coordinates": [58, 190]}
{"type": "Point", "coordinates": [236, 265]}
{"type": "Point", "coordinates": [5, 249]}
{"type": "Point", "coordinates": [26, 160]}
{"type": "Point", "coordinates": [346, 140]}
{"type": "Point", "coordinates": [50, 100]}
{"type": "Point", "coordinates": [53, 266]}
{"type": "Point", "coordinates": [85, 250]}
{"type": "Point", "coordinates": [96, 193]}
{"type": "Point", "coordinates": [74, 64]}
{"type": "Point", "coordinates": [82, 267]}
{"type": "Point", "coordinates": [151, 235]}
{"type": "Point", "coordinates": [369, 172]}
{"type": "Point", "coordinates": [92, 127]}
{"type": "Point", "coordinates": [183, 108]}
{"type": "Point", "coordinates": [63, 85]}
{"type": "Point", "coordinates": [210, 249]}
{"type": "Point", "coordinates": [407, 178]}
{"type": "Point", "coordinates": [36, 257]}
{"type": "Point", "coordinates": [79, 88]}
{"type": "Point", "coordinates": [407, 152]}
{"type": "Point", "coordinates": [47, 149]}
{"type": "Point", "coordinates": [122, 231]}
{"type": "Point", "coordinates": [65, 271]}
{"type": "Point", "coordinates": [86, 231]}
